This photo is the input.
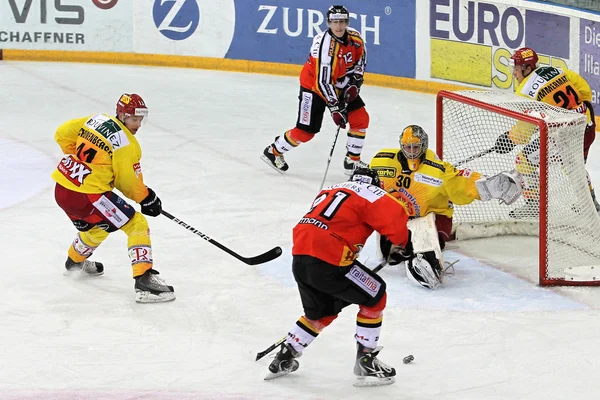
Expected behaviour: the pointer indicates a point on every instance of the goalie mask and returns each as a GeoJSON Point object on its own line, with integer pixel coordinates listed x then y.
{"type": "Point", "coordinates": [413, 144]}
{"type": "Point", "coordinates": [424, 270]}
{"type": "Point", "coordinates": [366, 175]}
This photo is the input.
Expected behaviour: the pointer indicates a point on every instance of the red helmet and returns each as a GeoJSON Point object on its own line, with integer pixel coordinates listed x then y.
{"type": "Point", "coordinates": [132, 104]}
{"type": "Point", "coordinates": [524, 56]}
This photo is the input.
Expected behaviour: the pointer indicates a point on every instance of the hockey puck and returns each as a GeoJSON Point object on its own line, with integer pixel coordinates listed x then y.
{"type": "Point", "coordinates": [408, 359]}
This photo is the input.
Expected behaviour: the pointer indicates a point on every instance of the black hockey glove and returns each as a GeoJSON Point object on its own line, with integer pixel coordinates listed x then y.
{"type": "Point", "coordinates": [401, 254]}
{"type": "Point", "coordinates": [503, 144]}
{"type": "Point", "coordinates": [351, 91]}
{"type": "Point", "coordinates": [151, 205]}
{"type": "Point", "coordinates": [338, 113]}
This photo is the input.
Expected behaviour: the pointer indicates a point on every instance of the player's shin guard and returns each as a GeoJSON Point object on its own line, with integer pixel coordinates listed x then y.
{"type": "Point", "coordinates": [148, 286]}
{"type": "Point", "coordinates": [368, 323]}
{"type": "Point", "coordinates": [82, 247]}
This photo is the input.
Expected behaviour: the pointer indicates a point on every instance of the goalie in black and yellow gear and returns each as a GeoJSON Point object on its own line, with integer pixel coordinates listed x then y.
{"type": "Point", "coordinates": [416, 176]}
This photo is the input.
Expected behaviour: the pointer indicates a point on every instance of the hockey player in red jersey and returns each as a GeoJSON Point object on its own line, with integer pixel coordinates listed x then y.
{"type": "Point", "coordinates": [327, 241]}
{"type": "Point", "coordinates": [101, 153]}
{"type": "Point", "coordinates": [331, 78]}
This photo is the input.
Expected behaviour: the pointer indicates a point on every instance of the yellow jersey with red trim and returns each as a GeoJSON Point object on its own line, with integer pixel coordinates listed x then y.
{"type": "Point", "coordinates": [100, 154]}
{"type": "Point", "coordinates": [433, 187]}
{"type": "Point", "coordinates": [554, 86]}
{"type": "Point", "coordinates": [331, 63]}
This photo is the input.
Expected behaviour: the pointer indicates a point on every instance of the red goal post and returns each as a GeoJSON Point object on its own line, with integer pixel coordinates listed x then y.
{"type": "Point", "coordinates": [556, 206]}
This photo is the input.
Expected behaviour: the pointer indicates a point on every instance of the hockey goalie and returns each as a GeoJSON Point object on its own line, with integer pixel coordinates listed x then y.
{"type": "Point", "coordinates": [429, 189]}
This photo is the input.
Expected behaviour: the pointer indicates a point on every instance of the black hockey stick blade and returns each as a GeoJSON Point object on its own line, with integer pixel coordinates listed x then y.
{"type": "Point", "coordinates": [259, 259]}
{"type": "Point", "coordinates": [269, 349]}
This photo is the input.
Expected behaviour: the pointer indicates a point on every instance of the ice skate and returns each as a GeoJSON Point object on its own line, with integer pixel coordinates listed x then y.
{"type": "Point", "coordinates": [91, 268]}
{"type": "Point", "coordinates": [284, 362]}
{"type": "Point", "coordinates": [350, 165]}
{"type": "Point", "coordinates": [149, 288]}
{"type": "Point", "coordinates": [276, 162]}
{"type": "Point", "coordinates": [369, 370]}
{"type": "Point", "coordinates": [529, 210]}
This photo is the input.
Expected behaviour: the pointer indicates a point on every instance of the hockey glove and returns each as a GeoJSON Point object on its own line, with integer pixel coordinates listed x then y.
{"type": "Point", "coordinates": [151, 205]}
{"type": "Point", "coordinates": [351, 91]}
{"type": "Point", "coordinates": [338, 113]}
{"type": "Point", "coordinates": [399, 254]}
{"type": "Point", "coordinates": [504, 144]}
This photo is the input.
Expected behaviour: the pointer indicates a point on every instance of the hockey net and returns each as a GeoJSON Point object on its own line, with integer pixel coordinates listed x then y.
{"type": "Point", "coordinates": [556, 205]}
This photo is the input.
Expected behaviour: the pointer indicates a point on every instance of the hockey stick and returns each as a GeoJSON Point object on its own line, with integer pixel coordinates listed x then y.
{"type": "Point", "coordinates": [480, 154]}
{"type": "Point", "coordinates": [380, 266]}
{"type": "Point", "coordinates": [270, 348]}
{"type": "Point", "coordinates": [330, 155]}
{"type": "Point", "coordinates": [259, 259]}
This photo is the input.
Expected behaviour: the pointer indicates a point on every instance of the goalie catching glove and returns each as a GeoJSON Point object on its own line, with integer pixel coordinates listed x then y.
{"type": "Point", "coordinates": [505, 186]}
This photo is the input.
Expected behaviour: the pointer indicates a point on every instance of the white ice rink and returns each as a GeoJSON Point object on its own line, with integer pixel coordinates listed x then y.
{"type": "Point", "coordinates": [490, 333]}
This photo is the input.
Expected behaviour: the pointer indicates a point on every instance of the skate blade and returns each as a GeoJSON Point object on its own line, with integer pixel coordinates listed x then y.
{"type": "Point", "coordinates": [363, 381]}
{"type": "Point", "coordinates": [268, 162]}
{"type": "Point", "coordinates": [81, 273]}
{"type": "Point", "coordinates": [147, 297]}
{"type": "Point", "coordinates": [277, 375]}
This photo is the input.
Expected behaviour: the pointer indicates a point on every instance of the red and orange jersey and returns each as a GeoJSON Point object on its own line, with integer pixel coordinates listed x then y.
{"type": "Point", "coordinates": [100, 154]}
{"type": "Point", "coordinates": [341, 219]}
{"type": "Point", "coordinates": [331, 63]}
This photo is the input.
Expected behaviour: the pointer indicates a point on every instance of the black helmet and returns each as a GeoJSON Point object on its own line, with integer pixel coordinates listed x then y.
{"type": "Point", "coordinates": [366, 175]}
{"type": "Point", "coordinates": [336, 13]}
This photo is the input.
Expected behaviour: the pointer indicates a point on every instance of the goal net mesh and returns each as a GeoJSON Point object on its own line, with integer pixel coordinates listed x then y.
{"type": "Point", "coordinates": [556, 204]}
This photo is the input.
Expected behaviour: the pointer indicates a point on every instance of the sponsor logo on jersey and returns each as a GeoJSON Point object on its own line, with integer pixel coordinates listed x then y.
{"type": "Point", "coordinates": [386, 172]}
{"type": "Point", "coordinates": [138, 169]}
{"type": "Point", "coordinates": [364, 280]}
{"type": "Point", "coordinates": [176, 19]}
{"type": "Point", "coordinates": [315, 222]}
{"type": "Point", "coordinates": [467, 172]}
{"type": "Point", "coordinates": [73, 170]}
{"type": "Point", "coordinates": [434, 165]}
{"type": "Point", "coordinates": [428, 180]}
{"type": "Point", "coordinates": [385, 154]}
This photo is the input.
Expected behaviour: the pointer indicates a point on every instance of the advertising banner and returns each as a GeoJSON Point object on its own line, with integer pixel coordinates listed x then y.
{"type": "Point", "coordinates": [589, 57]}
{"type": "Point", "coordinates": [471, 42]}
{"type": "Point", "coordinates": [98, 25]}
{"type": "Point", "coordinates": [201, 28]}
{"type": "Point", "coordinates": [282, 31]}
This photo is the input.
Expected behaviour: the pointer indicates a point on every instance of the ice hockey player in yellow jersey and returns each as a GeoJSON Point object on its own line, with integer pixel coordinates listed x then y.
{"type": "Point", "coordinates": [101, 153]}
{"type": "Point", "coordinates": [425, 184]}
{"type": "Point", "coordinates": [550, 85]}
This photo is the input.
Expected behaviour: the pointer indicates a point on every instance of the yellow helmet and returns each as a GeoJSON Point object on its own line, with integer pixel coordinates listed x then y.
{"type": "Point", "coordinates": [414, 143]}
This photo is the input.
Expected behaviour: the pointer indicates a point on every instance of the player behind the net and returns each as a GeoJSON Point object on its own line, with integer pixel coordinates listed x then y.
{"type": "Point", "coordinates": [331, 78]}
{"type": "Point", "coordinates": [557, 87]}
{"type": "Point", "coordinates": [429, 188]}
{"type": "Point", "coordinates": [101, 153]}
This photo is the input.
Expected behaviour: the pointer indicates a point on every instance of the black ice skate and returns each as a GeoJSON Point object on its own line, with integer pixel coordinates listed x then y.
{"type": "Point", "coordinates": [284, 363]}
{"type": "Point", "coordinates": [92, 268]}
{"type": "Point", "coordinates": [529, 210]}
{"type": "Point", "coordinates": [350, 165]}
{"type": "Point", "coordinates": [149, 288]}
{"type": "Point", "coordinates": [276, 162]}
{"type": "Point", "coordinates": [369, 370]}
